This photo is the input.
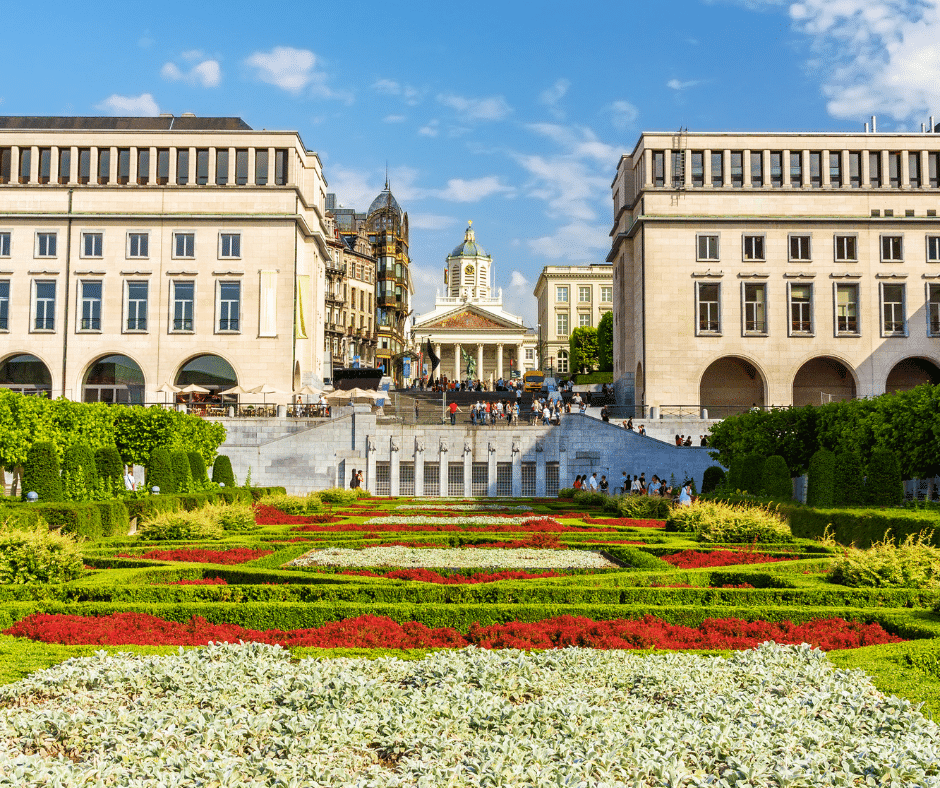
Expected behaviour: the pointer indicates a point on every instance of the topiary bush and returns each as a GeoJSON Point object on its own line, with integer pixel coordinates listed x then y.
{"type": "Point", "coordinates": [588, 498]}
{"type": "Point", "coordinates": [775, 479]}
{"type": "Point", "coordinates": [110, 469]}
{"type": "Point", "coordinates": [38, 555]}
{"type": "Point", "coordinates": [848, 487]}
{"type": "Point", "coordinates": [566, 492]}
{"type": "Point", "coordinates": [821, 479]}
{"type": "Point", "coordinates": [160, 471]}
{"type": "Point", "coordinates": [174, 526]}
{"type": "Point", "coordinates": [222, 471]}
{"type": "Point", "coordinates": [79, 473]}
{"type": "Point", "coordinates": [883, 485]}
{"type": "Point", "coordinates": [182, 475]}
{"type": "Point", "coordinates": [713, 477]}
{"type": "Point", "coordinates": [752, 471]}
{"type": "Point", "coordinates": [41, 472]}
{"type": "Point", "coordinates": [197, 468]}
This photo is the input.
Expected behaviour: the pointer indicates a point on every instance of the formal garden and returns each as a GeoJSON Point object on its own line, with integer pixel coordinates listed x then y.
{"type": "Point", "coordinates": [221, 634]}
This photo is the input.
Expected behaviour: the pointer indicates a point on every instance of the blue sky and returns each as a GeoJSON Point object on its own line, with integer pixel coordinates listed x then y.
{"type": "Point", "coordinates": [513, 115]}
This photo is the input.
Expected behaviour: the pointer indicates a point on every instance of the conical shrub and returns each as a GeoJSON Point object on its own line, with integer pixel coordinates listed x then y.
{"type": "Point", "coordinates": [849, 484]}
{"type": "Point", "coordinates": [197, 467]}
{"type": "Point", "coordinates": [222, 471]}
{"type": "Point", "coordinates": [160, 471]}
{"type": "Point", "coordinates": [776, 482]}
{"type": "Point", "coordinates": [883, 485]}
{"type": "Point", "coordinates": [79, 473]}
{"type": "Point", "coordinates": [821, 479]}
{"type": "Point", "coordinates": [182, 475]}
{"type": "Point", "coordinates": [110, 467]}
{"type": "Point", "coordinates": [41, 472]}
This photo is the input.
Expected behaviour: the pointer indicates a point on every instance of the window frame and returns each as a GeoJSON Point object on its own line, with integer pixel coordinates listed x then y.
{"type": "Point", "coordinates": [4, 305]}
{"type": "Point", "coordinates": [567, 319]}
{"type": "Point", "coordinates": [754, 332]}
{"type": "Point", "coordinates": [82, 250]}
{"type": "Point", "coordinates": [581, 291]}
{"type": "Point", "coordinates": [745, 237]}
{"type": "Point", "coordinates": [837, 331]}
{"type": "Point", "coordinates": [80, 327]}
{"type": "Point", "coordinates": [559, 289]}
{"type": "Point", "coordinates": [607, 290]}
{"type": "Point", "coordinates": [126, 322]}
{"type": "Point", "coordinates": [40, 234]}
{"type": "Point", "coordinates": [222, 240]}
{"type": "Point", "coordinates": [218, 307]}
{"type": "Point", "coordinates": [885, 332]}
{"type": "Point", "coordinates": [835, 247]}
{"type": "Point", "coordinates": [7, 236]}
{"type": "Point", "coordinates": [935, 239]}
{"type": "Point", "coordinates": [137, 235]}
{"type": "Point", "coordinates": [171, 317]}
{"type": "Point", "coordinates": [791, 237]}
{"type": "Point", "coordinates": [811, 332]}
{"type": "Point", "coordinates": [181, 234]}
{"type": "Point", "coordinates": [34, 306]}
{"type": "Point", "coordinates": [933, 321]}
{"type": "Point", "coordinates": [584, 320]}
{"type": "Point", "coordinates": [699, 238]}
{"type": "Point", "coordinates": [707, 332]}
{"type": "Point", "coordinates": [890, 237]}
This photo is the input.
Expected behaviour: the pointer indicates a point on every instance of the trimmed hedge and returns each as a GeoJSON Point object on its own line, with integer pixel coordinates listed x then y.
{"type": "Point", "coordinates": [182, 475]}
{"type": "Point", "coordinates": [751, 471]}
{"type": "Point", "coordinates": [222, 471]}
{"type": "Point", "coordinates": [115, 520]}
{"type": "Point", "coordinates": [884, 486]}
{"type": "Point", "coordinates": [41, 472]}
{"type": "Point", "coordinates": [775, 482]}
{"type": "Point", "coordinates": [79, 472]}
{"type": "Point", "coordinates": [197, 467]}
{"type": "Point", "coordinates": [821, 479]}
{"type": "Point", "coordinates": [160, 472]}
{"type": "Point", "coordinates": [110, 467]}
{"type": "Point", "coordinates": [849, 480]}
{"type": "Point", "coordinates": [73, 517]}
{"type": "Point", "coordinates": [713, 477]}
{"type": "Point", "coordinates": [861, 527]}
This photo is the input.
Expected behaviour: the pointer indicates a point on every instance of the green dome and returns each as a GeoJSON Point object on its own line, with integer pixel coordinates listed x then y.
{"type": "Point", "coordinates": [469, 247]}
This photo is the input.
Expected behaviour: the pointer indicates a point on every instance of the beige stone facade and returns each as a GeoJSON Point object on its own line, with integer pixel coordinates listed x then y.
{"type": "Point", "coordinates": [775, 269]}
{"type": "Point", "coordinates": [141, 251]}
{"type": "Point", "coordinates": [569, 297]}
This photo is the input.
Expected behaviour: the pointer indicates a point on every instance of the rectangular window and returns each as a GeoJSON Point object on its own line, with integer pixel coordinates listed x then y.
{"type": "Point", "coordinates": [163, 166]}
{"type": "Point", "coordinates": [383, 478]}
{"type": "Point", "coordinates": [561, 324]}
{"type": "Point", "coordinates": [182, 166]}
{"type": "Point", "coordinates": [659, 168]}
{"type": "Point", "coordinates": [221, 166]}
{"type": "Point", "coordinates": [815, 169]}
{"type": "Point", "coordinates": [138, 245]}
{"type": "Point", "coordinates": [528, 479]}
{"type": "Point", "coordinates": [737, 169]}
{"type": "Point", "coordinates": [707, 247]}
{"type": "Point", "coordinates": [584, 295]}
{"type": "Point", "coordinates": [796, 168]}
{"type": "Point", "coordinates": [561, 294]}
{"type": "Point", "coordinates": [757, 168]}
{"type": "Point", "coordinates": [913, 172]}
{"type": "Point", "coordinates": [584, 320]}
{"type": "Point", "coordinates": [801, 309]}
{"type": "Point", "coordinates": [933, 249]}
{"type": "Point", "coordinates": [892, 310]}
{"type": "Point", "coordinates": [800, 247]}
{"type": "Point", "coordinates": [6, 164]}
{"type": "Point", "coordinates": [104, 166]}
{"type": "Point", "coordinates": [202, 166]}
{"type": "Point", "coordinates": [45, 244]}
{"type": "Point", "coordinates": [90, 305]}
{"type": "Point", "coordinates": [230, 245]}
{"type": "Point", "coordinates": [835, 169]}
{"type": "Point", "coordinates": [776, 168]}
{"type": "Point", "coordinates": [894, 170]}
{"type": "Point", "coordinates": [718, 177]}
{"type": "Point", "coordinates": [230, 294]}
{"type": "Point", "coordinates": [45, 164]}
{"type": "Point", "coordinates": [755, 309]}
{"type": "Point", "coordinates": [432, 478]}
{"type": "Point", "coordinates": [261, 167]}
{"type": "Point", "coordinates": [4, 244]}
{"type": "Point", "coordinates": [137, 305]}
{"type": "Point", "coordinates": [183, 298]}
{"type": "Point", "coordinates": [933, 170]}
{"type": "Point", "coordinates": [184, 245]}
{"type": "Point", "coordinates": [708, 296]}
{"type": "Point", "coordinates": [44, 307]}
{"type": "Point", "coordinates": [455, 479]}
{"type": "Point", "coordinates": [678, 169]}
{"type": "Point", "coordinates": [92, 244]}
{"type": "Point", "coordinates": [241, 167]}
{"type": "Point", "coordinates": [754, 247]}
{"type": "Point", "coordinates": [846, 310]}
{"type": "Point", "coordinates": [479, 479]}
{"type": "Point", "coordinates": [406, 478]}
{"type": "Point", "coordinates": [124, 165]}
{"type": "Point", "coordinates": [65, 165]}
{"type": "Point", "coordinates": [143, 166]}
{"type": "Point", "coordinates": [874, 169]}
{"type": "Point", "coordinates": [26, 156]}
{"type": "Point", "coordinates": [551, 479]}
{"type": "Point", "coordinates": [84, 165]}
{"type": "Point", "coordinates": [607, 294]}
{"type": "Point", "coordinates": [846, 249]}
{"type": "Point", "coordinates": [933, 310]}
{"type": "Point", "coordinates": [4, 304]}
{"type": "Point", "coordinates": [892, 249]}
{"type": "Point", "coordinates": [503, 480]}
{"type": "Point", "coordinates": [855, 169]}
{"type": "Point", "coordinates": [280, 167]}
{"type": "Point", "coordinates": [698, 168]}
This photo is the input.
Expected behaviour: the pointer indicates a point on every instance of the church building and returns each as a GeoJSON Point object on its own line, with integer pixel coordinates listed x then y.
{"type": "Point", "coordinates": [473, 336]}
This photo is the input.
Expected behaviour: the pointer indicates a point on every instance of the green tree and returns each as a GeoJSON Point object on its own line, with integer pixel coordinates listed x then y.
{"type": "Point", "coordinates": [197, 467]}
{"type": "Point", "coordinates": [79, 473]}
{"type": "Point", "coordinates": [41, 472]}
{"type": "Point", "coordinates": [160, 471]}
{"type": "Point", "coordinates": [182, 475]}
{"type": "Point", "coordinates": [110, 468]}
{"type": "Point", "coordinates": [605, 342]}
{"type": "Point", "coordinates": [849, 484]}
{"type": "Point", "coordinates": [583, 347]}
{"type": "Point", "coordinates": [713, 477]}
{"type": "Point", "coordinates": [776, 482]}
{"type": "Point", "coordinates": [222, 471]}
{"type": "Point", "coordinates": [883, 485]}
{"type": "Point", "coordinates": [751, 471]}
{"type": "Point", "coordinates": [821, 479]}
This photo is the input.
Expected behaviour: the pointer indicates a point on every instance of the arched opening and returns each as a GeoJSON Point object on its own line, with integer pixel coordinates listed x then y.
{"type": "Point", "coordinates": [822, 380]}
{"type": "Point", "coordinates": [639, 387]}
{"type": "Point", "coordinates": [731, 385]}
{"type": "Point", "coordinates": [114, 379]}
{"type": "Point", "coordinates": [910, 373]}
{"type": "Point", "coordinates": [210, 372]}
{"type": "Point", "coordinates": [25, 374]}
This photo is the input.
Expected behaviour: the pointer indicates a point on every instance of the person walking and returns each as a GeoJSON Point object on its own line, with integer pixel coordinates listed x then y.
{"type": "Point", "coordinates": [593, 482]}
{"type": "Point", "coordinates": [454, 410]}
{"type": "Point", "coordinates": [130, 483]}
{"type": "Point", "coordinates": [604, 485]}
{"type": "Point", "coordinates": [624, 483]}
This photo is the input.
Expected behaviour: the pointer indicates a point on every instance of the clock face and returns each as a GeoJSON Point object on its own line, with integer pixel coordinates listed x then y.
{"type": "Point", "coordinates": [468, 270]}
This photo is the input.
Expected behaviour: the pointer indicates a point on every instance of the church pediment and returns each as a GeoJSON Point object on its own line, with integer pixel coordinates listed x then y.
{"type": "Point", "coordinates": [468, 318]}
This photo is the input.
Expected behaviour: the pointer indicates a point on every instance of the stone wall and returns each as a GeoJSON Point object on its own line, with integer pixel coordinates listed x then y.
{"type": "Point", "coordinates": [323, 454]}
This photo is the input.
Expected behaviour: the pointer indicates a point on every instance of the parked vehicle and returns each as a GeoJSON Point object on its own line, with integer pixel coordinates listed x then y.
{"type": "Point", "coordinates": [533, 380]}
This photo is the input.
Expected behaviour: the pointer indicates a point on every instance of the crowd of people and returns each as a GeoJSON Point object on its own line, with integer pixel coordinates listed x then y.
{"type": "Point", "coordinates": [443, 383]}
{"type": "Point", "coordinates": [637, 485]}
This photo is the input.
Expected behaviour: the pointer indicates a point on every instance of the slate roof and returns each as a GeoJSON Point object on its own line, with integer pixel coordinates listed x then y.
{"type": "Point", "coordinates": [162, 123]}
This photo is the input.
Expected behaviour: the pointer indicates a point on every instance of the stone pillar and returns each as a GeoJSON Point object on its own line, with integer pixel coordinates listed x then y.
{"type": "Point", "coordinates": [885, 169]}
{"type": "Point", "coordinates": [765, 167]}
{"type": "Point", "coordinates": [212, 163]}
{"type": "Point", "coordinates": [687, 155]}
{"type": "Point", "coordinates": [419, 467]}
{"type": "Point", "coordinates": [516, 468]}
{"type": "Point", "coordinates": [394, 467]}
{"type": "Point", "coordinates": [824, 169]}
{"type": "Point", "coordinates": [707, 168]}
{"type": "Point", "coordinates": [132, 167]}
{"type": "Point", "coordinates": [924, 169]}
{"type": "Point", "coordinates": [480, 360]}
{"type": "Point", "coordinates": [270, 166]}
{"type": "Point", "coordinates": [15, 164]}
{"type": "Point", "coordinates": [113, 165]}
{"type": "Point", "coordinates": [152, 169]}
{"type": "Point", "coordinates": [54, 164]}
{"type": "Point", "coordinates": [442, 473]}
{"type": "Point", "coordinates": [785, 168]}
{"type": "Point", "coordinates": [647, 168]}
{"type": "Point", "coordinates": [564, 478]}
{"type": "Point", "coordinates": [172, 167]}
{"type": "Point", "coordinates": [844, 166]}
{"type": "Point", "coordinates": [540, 468]}
{"type": "Point", "coordinates": [93, 165]}
{"type": "Point", "coordinates": [905, 167]}
{"type": "Point", "coordinates": [726, 168]}
{"type": "Point", "coordinates": [667, 168]}
{"type": "Point", "coordinates": [491, 469]}
{"type": "Point", "coordinates": [231, 167]}
{"type": "Point", "coordinates": [34, 164]}
{"type": "Point", "coordinates": [436, 372]}
{"type": "Point", "coordinates": [520, 358]}
{"type": "Point", "coordinates": [499, 360]}
{"type": "Point", "coordinates": [804, 167]}
{"type": "Point", "coordinates": [191, 177]}
{"type": "Point", "coordinates": [467, 471]}
{"type": "Point", "coordinates": [370, 464]}
{"type": "Point", "coordinates": [866, 169]}
{"type": "Point", "coordinates": [745, 173]}
{"type": "Point", "coordinates": [73, 164]}
{"type": "Point", "coordinates": [456, 361]}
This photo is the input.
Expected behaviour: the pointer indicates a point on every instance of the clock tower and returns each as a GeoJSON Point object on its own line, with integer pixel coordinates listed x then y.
{"type": "Point", "coordinates": [469, 270]}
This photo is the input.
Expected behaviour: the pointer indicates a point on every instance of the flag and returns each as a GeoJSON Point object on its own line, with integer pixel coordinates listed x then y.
{"type": "Point", "coordinates": [435, 361]}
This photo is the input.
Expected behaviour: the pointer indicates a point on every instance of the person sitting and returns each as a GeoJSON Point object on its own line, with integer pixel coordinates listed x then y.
{"type": "Point", "coordinates": [678, 440]}
{"type": "Point", "coordinates": [688, 441]}
{"type": "Point", "coordinates": [642, 430]}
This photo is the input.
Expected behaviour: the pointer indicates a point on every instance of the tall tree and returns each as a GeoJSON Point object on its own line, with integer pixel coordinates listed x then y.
{"type": "Point", "coordinates": [605, 342]}
{"type": "Point", "coordinates": [583, 347]}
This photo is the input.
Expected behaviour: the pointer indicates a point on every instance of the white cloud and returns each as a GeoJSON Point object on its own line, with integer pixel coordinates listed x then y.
{"type": "Point", "coordinates": [518, 280]}
{"type": "Point", "coordinates": [394, 119]}
{"type": "Point", "coordinates": [622, 114]}
{"type": "Point", "coordinates": [551, 96]}
{"type": "Point", "coordinates": [191, 54]}
{"type": "Point", "coordinates": [676, 84]}
{"type": "Point", "coordinates": [294, 70]}
{"type": "Point", "coordinates": [431, 129]}
{"type": "Point", "coordinates": [390, 87]}
{"type": "Point", "coordinates": [574, 241]}
{"type": "Point", "coordinates": [518, 293]}
{"type": "Point", "coordinates": [460, 190]}
{"type": "Point", "coordinates": [430, 221]}
{"type": "Point", "coordinates": [143, 104]}
{"type": "Point", "coordinates": [473, 109]}
{"type": "Point", "coordinates": [428, 281]}
{"type": "Point", "coordinates": [207, 73]}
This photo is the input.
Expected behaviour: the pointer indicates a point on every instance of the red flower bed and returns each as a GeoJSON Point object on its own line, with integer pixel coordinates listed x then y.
{"type": "Point", "coordinates": [412, 544]}
{"type": "Point", "coordinates": [692, 559]}
{"type": "Point", "coordinates": [427, 576]}
{"type": "Point", "coordinates": [623, 522]}
{"type": "Point", "coordinates": [378, 632]}
{"type": "Point", "coordinates": [268, 515]}
{"type": "Point", "coordinates": [530, 526]}
{"type": "Point", "coordinates": [205, 581]}
{"type": "Point", "coordinates": [235, 555]}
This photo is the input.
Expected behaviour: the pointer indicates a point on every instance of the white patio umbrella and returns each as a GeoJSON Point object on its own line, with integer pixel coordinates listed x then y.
{"type": "Point", "coordinates": [193, 388]}
{"type": "Point", "coordinates": [264, 390]}
{"type": "Point", "coordinates": [308, 391]}
{"type": "Point", "coordinates": [235, 390]}
{"type": "Point", "coordinates": [352, 395]}
{"type": "Point", "coordinates": [167, 388]}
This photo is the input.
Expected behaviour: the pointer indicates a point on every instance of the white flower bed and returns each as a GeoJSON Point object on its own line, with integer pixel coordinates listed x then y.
{"type": "Point", "coordinates": [455, 558]}
{"type": "Point", "coordinates": [467, 507]}
{"type": "Point", "coordinates": [246, 716]}
{"type": "Point", "coordinates": [481, 519]}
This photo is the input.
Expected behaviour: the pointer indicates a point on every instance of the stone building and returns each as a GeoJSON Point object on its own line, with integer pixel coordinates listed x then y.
{"type": "Point", "coordinates": [775, 268]}
{"type": "Point", "coordinates": [569, 297]}
{"type": "Point", "coordinates": [136, 252]}
{"type": "Point", "coordinates": [472, 334]}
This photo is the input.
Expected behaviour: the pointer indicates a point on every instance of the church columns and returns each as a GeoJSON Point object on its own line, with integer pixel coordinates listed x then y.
{"type": "Point", "coordinates": [520, 355]}
{"type": "Point", "coordinates": [457, 361]}
{"type": "Point", "coordinates": [480, 360]}
{"type": "Point", "coordinates": [499, 360]}
{"type": "Point", "coordinates": [436, 372]}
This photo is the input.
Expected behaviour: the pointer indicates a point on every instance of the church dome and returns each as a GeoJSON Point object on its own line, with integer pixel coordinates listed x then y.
{"type": "Point", "coordinates": [385, 200]}
{"type": "Point", "coordinates": [469, 247]}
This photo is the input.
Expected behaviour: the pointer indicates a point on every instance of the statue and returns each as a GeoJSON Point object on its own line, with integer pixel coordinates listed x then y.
{"type": "Point", "coordinates": [470, 363]}
{"type": "Point", "coordinates": [395, 446]}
